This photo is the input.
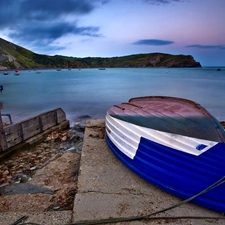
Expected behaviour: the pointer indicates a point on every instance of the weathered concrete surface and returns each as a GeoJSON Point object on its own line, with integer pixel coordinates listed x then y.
{"type": "Point", "coordinates": [44, 218]}
{"type": "Point", "coordinates": [107, 189]}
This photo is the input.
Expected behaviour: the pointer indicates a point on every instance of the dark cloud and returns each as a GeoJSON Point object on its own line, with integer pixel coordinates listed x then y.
{"type": "Point", "coordinates": [159, 2]}
{"type": "Point", "coordinates": [50, 32]}
{"type": "Point", "coordinates": [207, 46]}
{"type": "Point", "coordinates": [43, 21]}
{"type": "Point", "coordinates": [17, 11]}
{"type": "Point", "coordinates": [50, 9]}
{"type": "Point", "coordinates": [152, 42]}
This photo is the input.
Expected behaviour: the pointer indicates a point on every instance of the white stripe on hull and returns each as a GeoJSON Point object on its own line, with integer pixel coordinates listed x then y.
{"type": "Point", "coordinates": [126, 136]}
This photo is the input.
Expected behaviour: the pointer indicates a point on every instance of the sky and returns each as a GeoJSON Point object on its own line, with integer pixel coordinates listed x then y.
{"type": "Point", "coordinates": [109, 28]}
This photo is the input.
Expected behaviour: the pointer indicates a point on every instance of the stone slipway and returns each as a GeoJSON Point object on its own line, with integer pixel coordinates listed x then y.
{"type": "Point", "coordinates": [107, 189]}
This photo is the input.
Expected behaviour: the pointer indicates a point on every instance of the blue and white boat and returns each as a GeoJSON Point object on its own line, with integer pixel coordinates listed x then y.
{"type": "Point", "coordinates": [173, 143]}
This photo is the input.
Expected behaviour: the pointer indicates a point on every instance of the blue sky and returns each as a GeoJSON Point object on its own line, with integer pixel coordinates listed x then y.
{"type": "Point", "coordinates": [107, 28]}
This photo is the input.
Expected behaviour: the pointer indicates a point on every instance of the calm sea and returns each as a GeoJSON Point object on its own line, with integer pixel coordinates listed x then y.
{"type": "Point", "coordinates": [92, 91]}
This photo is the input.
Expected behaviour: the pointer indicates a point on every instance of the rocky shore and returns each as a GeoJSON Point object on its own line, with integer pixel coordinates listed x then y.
{"type": "Point", "coordinates": [42, 178]}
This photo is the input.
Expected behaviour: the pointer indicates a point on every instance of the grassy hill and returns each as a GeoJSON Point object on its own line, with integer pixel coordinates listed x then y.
{"type": "Point", "coordinates": [16, 57]}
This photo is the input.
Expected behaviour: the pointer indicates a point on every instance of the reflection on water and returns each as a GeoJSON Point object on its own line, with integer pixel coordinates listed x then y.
{"type": "Point", "coordinates": [92, 91]}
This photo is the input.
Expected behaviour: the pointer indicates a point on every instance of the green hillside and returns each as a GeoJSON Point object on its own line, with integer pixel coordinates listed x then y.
{"type": "Point", "coordinates": [16, 57]}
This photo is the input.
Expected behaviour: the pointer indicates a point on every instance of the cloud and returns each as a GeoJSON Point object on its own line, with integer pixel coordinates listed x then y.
{"type": "Point", "coordinates": [207, 46]}
{"type": "Point", "coordinates": [51, 31]}
{"type": "Point", "coordinates": [152, 42]}
{"type": "Point", "coordinates": [159, 2]}
{"type": "Point", "coordinates": [18, 11]}
{"type": "Point", "coordinates": [44, 21]}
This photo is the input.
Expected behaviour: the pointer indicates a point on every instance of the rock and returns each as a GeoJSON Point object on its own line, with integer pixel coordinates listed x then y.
{"type": "Point", "coordinates": [6, 172]}
{"type": "Point", "coordinates": [23, 188]}
{"type": "Point", "coordinates": [72, 149]}
{"type": "Point", "coordinates": [48, 138]}
{"type": "Point", "coordinates": [81, 123]}
{"type": "Point", "coordinates": [33, 168]}
{"type": "Point", "coordinates": [79, 146]}
{"type": "Point", "coordinates": [64, 138]}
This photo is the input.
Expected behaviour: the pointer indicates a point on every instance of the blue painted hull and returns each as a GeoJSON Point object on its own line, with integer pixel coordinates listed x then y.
{"type": "Point", "coordinates": [179, 173]}
{"type": "Point", "coordinates": [173, 143]}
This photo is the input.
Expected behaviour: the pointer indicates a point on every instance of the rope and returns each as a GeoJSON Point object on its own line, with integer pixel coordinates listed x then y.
{"type": "Point", "coordinates": [146, 217]}
{"type": "Point", "coordinates": [19, 220]}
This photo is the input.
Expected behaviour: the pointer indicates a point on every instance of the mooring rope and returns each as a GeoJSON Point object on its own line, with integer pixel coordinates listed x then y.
{"type": "Point", "coordinates": [146, 217]}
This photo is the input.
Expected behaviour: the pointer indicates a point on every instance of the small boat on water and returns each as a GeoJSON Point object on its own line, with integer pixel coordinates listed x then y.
{"type": "Point", "coordinates": [17, 72]}
{"type": "Point", "coordinates": [6, 73]}
{"type": "Point", "coordinates": [173, 143]}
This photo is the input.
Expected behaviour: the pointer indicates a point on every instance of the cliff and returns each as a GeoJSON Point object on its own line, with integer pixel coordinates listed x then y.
{"type": "Point", "coordinates": [13, 56]}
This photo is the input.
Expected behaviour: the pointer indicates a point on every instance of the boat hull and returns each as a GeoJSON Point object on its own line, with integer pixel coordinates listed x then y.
{"type": "Point", "coordinates": [179, 167]}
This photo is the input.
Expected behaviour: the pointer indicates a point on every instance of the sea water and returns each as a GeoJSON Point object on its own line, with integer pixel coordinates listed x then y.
{"type": "Point", "coordinates": [91, 92]}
